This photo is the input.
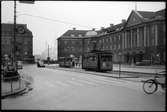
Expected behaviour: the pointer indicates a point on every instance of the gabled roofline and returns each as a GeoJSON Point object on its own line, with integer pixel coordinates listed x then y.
{"type": "Point", "coordinates": [133, 11]}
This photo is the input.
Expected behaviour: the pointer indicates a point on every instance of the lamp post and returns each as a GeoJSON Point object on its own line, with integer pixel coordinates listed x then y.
{"type": "Point", "coordinates": [119, 54]}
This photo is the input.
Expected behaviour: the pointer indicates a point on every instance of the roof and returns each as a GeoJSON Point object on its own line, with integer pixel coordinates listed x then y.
{"type": "Point", "coordinates": [160, 13]}
{"type": "Point", "coordinates": [114, 28]}
{"type": "Point", "coordinates": [151, 15]}
{"type": "Point", "coordinates": [75, 33]}
{"type": "Point", "coordinates": [146, 14]}
{"type": "Point", "coordinates": [78, 34]}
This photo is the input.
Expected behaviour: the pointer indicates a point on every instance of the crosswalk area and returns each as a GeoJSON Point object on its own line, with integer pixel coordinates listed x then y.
{"type": "Point", "coordinates": [74, 79]}
{"type": "Point", "coordinates": [91, 82]}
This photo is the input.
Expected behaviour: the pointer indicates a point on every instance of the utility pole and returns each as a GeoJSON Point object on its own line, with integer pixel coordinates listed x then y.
{"type": "Point", "coordinates": [14, 29]}
{"type": "Point", "coordinates": [14, 33]}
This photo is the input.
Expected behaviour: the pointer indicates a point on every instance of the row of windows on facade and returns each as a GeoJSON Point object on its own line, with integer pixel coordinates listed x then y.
{"type": "Point", "coordinates": [9, 41]}
{"type": "Point", "coordinates": [132, 38]}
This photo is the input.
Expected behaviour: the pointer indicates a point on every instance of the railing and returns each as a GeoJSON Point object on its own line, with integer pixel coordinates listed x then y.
{"type": "Point", "coordinates": [12, 80]}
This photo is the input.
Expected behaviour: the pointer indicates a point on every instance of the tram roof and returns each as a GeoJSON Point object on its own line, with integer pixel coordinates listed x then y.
{"type": "Point", "coordinates": [99, 51]}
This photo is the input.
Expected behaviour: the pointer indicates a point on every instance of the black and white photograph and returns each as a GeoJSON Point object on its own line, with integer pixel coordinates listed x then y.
{"type": "Point", "coordinates": [83, 55]}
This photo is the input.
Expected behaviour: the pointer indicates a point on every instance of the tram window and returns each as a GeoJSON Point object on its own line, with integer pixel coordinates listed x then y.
{"type": "Point", "coordinates": [106, 58]}
{"type": "Point", "coordinates": [93, 58]}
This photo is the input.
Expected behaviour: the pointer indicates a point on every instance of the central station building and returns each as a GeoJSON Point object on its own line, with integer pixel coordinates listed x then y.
{"type": "Point", "coordinates": [141, 37]}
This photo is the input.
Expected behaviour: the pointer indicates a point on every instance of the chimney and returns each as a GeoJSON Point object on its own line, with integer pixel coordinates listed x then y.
{"type": "Point", "coordinates": [111, 25]}
{"type": "Point", "coordinates": [93, 29]}
{"type": "Point", "coordinates": [74, 28]}
{"type": "Point", "coordinates": [123, 20]}
{"type": "Point", "coordinates": [102, 28]}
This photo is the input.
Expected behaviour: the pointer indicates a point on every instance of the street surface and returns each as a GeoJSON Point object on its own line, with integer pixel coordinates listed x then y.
{"type": "Point", "coordinates": [55, 89]}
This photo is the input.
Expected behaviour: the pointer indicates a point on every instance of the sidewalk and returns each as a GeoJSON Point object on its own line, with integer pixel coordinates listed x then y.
{"type": "Point", "coordinates": [9, 88]}
{"type": "Point", "coordinates": [133, 73]}
{"type": "Point", "coordinates": [126, 68]}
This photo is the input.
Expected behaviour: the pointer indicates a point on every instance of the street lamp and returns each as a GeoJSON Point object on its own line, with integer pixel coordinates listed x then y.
{"type": "Point", "coordinates": [119, 54]}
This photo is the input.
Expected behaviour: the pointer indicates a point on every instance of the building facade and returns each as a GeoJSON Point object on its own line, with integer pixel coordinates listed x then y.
{"type": "Point", "coordinates": [23, 42]}
{"type": "Point", "coordinates": [141, 37]}
{"type": "Point", "coordinates": [70, 43]}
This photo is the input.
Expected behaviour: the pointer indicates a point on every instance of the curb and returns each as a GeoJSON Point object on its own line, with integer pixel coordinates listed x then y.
{"type": "Point", "coordinates": [115, 71]}
{"type": "Point", "coordinates": [98, 74]}
{"type": "Point", "coordinates": [13, 93]}
{"type": "Point", "coordinates": [16, 91]}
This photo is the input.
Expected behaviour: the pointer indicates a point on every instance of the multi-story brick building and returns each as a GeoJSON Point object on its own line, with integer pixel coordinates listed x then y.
{"type": "Point", "coordinates": [70, 44]}
{"type": "Point", "coordinates": [23, 42]}
{"type": "Point", "coordinates": [141, 37]}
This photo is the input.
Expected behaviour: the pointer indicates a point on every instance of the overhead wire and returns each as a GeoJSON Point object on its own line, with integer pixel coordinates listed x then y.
{"type": "Point", "coordinates": [55, 20]}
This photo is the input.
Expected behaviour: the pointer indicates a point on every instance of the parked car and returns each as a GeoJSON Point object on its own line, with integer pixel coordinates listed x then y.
{"type": "Point", "coordinates": [40, 64]}
{"type": "Point", "coordinates": [10, 71]}
{"type": "Point", "coordinates": [19, 65]}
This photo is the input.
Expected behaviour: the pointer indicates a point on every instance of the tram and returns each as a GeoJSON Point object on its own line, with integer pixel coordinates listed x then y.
{"type": "Point", "coordinates": [97, 61]}
{"type": "Point", "coordinates": [65, 62]}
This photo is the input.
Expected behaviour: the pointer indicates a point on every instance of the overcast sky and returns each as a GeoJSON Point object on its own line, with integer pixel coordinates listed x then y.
{"type": "Point", "coordinates": [60, 16]}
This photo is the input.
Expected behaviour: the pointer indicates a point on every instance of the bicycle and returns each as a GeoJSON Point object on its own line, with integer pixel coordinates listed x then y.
{"type": "Point", "coordinates": [150, 86]}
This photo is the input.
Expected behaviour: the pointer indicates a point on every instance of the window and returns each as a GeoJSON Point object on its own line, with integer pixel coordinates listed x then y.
{"type": "Point", "coordinates": [114, 46]}
{"type": "Point", "coordinates": [65, 42]}
{"type": "Point", "coordinates": [141, 36]}
{"type": "Point", "coordinates": [152, 34]}
{"type": "Point", "coordinates": [119, 46]}
{"type": "Point", "coordinates": [72, 35]}
{"type": "Point", "coordinates": [119, 37]}
{"type": "Point", "coordinates": [134, 19]}
{"type": "Point", "coordinates": [79, 35]}
{"type": "Point", "coordinates": [164, 28]}
{"type": "Point", "coordinates": [73, 41]}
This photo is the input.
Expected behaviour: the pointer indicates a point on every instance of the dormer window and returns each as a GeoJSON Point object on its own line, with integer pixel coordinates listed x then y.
{"type": "Point", "coordinates": [80, 35]}
{"type": "Point", "coordinates": [134, 19]}
{"type": "Point", "coordinates": [72, 35]}
{"type": "Point", "coordinates": [117, 29]}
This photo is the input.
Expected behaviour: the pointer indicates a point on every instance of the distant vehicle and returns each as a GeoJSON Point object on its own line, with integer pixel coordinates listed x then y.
{"type": "Point", "coordinates": [40, 63]}
{"type": "Point", "coordinates": [97, 61]}
{"type": "Point", "coordinates": [19, 65]}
